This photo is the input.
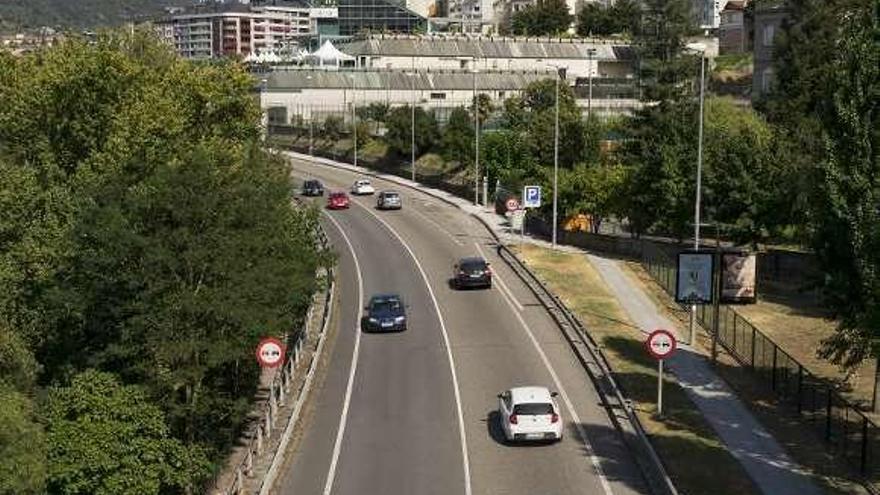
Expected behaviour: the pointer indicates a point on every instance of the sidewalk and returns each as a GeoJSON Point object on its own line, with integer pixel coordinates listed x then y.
{"type": "Point", "coordinates": [759, 453]}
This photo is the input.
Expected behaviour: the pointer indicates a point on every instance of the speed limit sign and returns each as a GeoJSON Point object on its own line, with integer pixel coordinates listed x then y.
{"type": "Point", "coordinates": [270, 353]}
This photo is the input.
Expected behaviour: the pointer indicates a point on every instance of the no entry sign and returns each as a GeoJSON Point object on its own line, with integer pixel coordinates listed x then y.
{"type": "Point", "coordinates": [270, 353]}
{"type": "Point", "coordinates": [661, 343]}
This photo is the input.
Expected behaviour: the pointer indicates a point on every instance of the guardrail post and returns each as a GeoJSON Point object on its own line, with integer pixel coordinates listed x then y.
{"type": "Point", "coordinates": [259, 449]}
{"type": "Point", "coordinates": [249, 463]}
{"type": "Point", "coordinates": [754, 332]}
{"type": "Point", "coordinates": [237, 486]}
{"type": "Point", "coordinates": [800, 388]}
{"type": "Point", "coordinates": [267, 423]}
{"type": "Point", "coordinates": [828, 416]}
{"type": "Point", "coordinates": [773, 376]}
{"type": "Point", "coordinates": [863, 464]}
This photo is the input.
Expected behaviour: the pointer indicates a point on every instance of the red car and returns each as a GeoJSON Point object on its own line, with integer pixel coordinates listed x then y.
{"type": "Point", "coordinates": [337, 201]}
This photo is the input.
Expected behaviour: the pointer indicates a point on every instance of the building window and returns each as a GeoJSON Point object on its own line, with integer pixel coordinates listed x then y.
{"type": "Point", "coordinates": [438, 96]}
{"type": "Point", "coordinates": [769, 32]}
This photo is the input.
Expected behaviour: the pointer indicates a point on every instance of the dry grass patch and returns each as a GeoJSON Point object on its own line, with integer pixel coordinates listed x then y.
{"type": "Point", "coordinates": [682, 438]}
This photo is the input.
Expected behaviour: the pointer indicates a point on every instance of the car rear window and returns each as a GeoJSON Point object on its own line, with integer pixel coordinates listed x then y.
{"type": "Point", "coordinates": [473, 265]}
{"type": "Point", "coordinates": [390, 195]}
{"type": "Point", "coordinates": [386, 305]}
{"type": "Point", "coordinates": [533, 408]}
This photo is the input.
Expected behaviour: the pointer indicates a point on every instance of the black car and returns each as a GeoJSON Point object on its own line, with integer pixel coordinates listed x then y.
{"type": "Point", "coordinates": [472, 272]}
{"type": "Point", "coordinates": [313, 188]}
{"type": "Point", "coordinates": [384, 313]}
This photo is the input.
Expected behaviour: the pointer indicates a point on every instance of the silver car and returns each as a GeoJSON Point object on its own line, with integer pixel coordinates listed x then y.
{"type": "Point", "coordinates": [389, 200]}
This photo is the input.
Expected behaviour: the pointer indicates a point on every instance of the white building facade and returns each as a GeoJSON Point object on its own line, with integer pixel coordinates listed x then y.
{"type": "Point", "coordinates": [581, 59]}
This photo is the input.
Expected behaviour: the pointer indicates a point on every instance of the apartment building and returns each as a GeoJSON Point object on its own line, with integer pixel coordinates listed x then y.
{"type": "Point", "coordinates": [769, 20]}
{"type": "Point", "coordinates": [235, 29]}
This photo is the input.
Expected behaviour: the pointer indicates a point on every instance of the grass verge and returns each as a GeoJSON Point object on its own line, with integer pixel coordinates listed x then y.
{"type": "Point", "coordinates": [802, 442]}
{"type": "Point", "coordinates": [693, 454]}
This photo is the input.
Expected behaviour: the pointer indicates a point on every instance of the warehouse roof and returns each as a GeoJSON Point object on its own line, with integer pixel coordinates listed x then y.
{"type": "Point", "coordinates": [400, 81]}
{"type": "Point", "coordinates": [488, 47]}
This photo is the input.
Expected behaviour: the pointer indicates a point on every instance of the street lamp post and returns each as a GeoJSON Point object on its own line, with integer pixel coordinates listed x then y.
{"type": "Point", "coordinates": [556, 160]}
{"type": "Point", "coordinates": [413, 128]}
{"type": "Point", "coordinates": [476, 140]}
{"type": "Point", "coordinates": [590, 53]}
{"type": "Point", "coordinates": [354, 117]}
{"type": "Point", "coordinates": [701, 49]}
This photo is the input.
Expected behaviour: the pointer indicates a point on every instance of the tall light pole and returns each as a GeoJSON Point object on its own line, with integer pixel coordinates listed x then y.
{"type": "Point", "coordinates": [556, 159]}
{"type": "Point", "coordinates": [354, 117]}
{"type": "Point", "coordinates": [701, 49]}
{"type": "Point", "coordinates": [476, 140]}
{"type": "Point", "coordinates": [590, 53]}
{"type": "Point", "coordinates": [412, 143]}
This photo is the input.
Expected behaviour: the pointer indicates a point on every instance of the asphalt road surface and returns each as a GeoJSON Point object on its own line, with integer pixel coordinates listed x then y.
{"type": "Point", "coordinates": [414, 413]}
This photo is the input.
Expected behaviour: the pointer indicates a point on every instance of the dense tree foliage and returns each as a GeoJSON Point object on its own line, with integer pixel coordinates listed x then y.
{"type": "Point", "coordinates": [143, 226]}
{"type": "Point", "coordinates": [400, 125]}
{"type": "Point", "coordinates": [457, 141]}
{"type": "Point", "coordinates": [847, 208]}
{"type": "Point", "coordinates": [545, 17]}
{"type": "Point", "coordinates": [106, 438]}
{"type": "Point", "coordinates": [623, 17]}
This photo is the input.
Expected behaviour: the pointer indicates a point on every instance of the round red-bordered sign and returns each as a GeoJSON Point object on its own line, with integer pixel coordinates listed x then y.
{"type": "Point", "coordinates": [270, 353]}
{"type": "Point", "coordinates": [661, 343]}
{"type": "Point", "coordinates": [511, 204]}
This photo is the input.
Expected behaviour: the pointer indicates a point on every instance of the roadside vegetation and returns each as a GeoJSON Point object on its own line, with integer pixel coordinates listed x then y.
{"type": "Point", "coordinates": [146, 243]}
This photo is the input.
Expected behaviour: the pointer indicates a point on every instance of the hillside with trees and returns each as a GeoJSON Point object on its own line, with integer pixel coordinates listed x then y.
{"type": "Point", "coordinates": [79, 14]}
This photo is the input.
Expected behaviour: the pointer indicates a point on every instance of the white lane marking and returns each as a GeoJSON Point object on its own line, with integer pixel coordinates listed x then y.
{"type": "Point", "coordinates": [501, 285]}
{"type": "Point", "coordinates": [436, 224]}
{"type": "Point", "coordinates": [606, 487]}
{"type": "Point", "coordinates": [461, 434]}
{"type": "Point", "coordinates": [343, 418]}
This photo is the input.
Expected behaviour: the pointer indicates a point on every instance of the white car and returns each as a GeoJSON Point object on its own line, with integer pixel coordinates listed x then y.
{"type": "Point", "coordinates": [529, 414]}
{"type": "Point", "coordinates": [362, 186]}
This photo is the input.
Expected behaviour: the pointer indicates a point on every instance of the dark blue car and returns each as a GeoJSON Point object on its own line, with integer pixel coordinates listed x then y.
{"type": "Point", "coordinates": [384, 313]}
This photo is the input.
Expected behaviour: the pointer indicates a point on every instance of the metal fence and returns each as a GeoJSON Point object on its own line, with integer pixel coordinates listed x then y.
{"type": "Point", "coordinates": [848, 433]}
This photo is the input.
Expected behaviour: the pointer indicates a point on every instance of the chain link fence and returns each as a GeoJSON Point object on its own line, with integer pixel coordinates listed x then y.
{"type": "Point", "coordinates": [848, 433]}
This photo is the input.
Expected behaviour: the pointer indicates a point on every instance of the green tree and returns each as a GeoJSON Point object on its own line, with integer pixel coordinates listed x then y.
{"type": "Point", "coordinates": [457, 141]}
{"type": "Point", "coordinates": [332, 127]}
{"type": "Point", "coordinates": [507, 159]}
{"type": "Point", "coordinates": [22, 444]}
{"type": "Point", "coordinates": [539, 130]}
{"type": "Point", "coordinates": [666, 71]}
{"type": "Point", "coordinates": [595, 190]}
{"type": "Point", "coordinates": [107, 438]}
{"type": "Point", "coordinates": [622, 17]}
{"type": "Point", "coordinates": [847, 212]}
{"type": "Point", "coordinates": [546, 17]}
{"type": "Point", "coordinates": [399, 135]}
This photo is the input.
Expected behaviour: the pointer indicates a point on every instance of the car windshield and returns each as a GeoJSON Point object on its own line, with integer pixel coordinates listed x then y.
{"type": "Point", "coordinates": [533, 408]}
{"type": "Point", "coordinates": [337, 195]}
{"type": "Point", "coordinates": [473, 265]}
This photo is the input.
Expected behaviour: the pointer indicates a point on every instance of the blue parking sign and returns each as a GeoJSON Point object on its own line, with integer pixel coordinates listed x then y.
{"type": "Point", "coordinates": [532, 197]}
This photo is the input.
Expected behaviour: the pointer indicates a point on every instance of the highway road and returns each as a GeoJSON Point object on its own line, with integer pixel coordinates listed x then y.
{"type": "Point", "coordinates": [414, 413]}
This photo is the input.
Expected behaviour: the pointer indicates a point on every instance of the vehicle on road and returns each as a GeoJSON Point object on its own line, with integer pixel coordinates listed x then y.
{"type": "Point", "coordinates": [312, 187]}
{"type": "Point", "coordinates": [384, 313]}
{"type": "Point", "coordinates": [472, 272]}
{"type": "Point", "coordinates": [389, 200]}
{"type": "Point", "coordinates": [362, 187]}
{"type": "Point", "coordinates": [338, 200]}
{"type": "Point", "coordinates": [529, 414]}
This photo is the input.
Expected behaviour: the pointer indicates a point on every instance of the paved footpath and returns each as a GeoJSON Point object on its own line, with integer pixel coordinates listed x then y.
{"type": "Point", "coordinates": [758, 452]}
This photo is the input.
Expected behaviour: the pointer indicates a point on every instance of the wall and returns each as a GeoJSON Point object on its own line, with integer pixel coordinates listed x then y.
{"type": "Point", "coordinates": [575, 67]}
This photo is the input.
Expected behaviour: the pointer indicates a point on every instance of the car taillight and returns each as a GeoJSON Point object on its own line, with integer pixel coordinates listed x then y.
{"type": "Point", "coordinates": [513, 419]}
{"type": "Point", "coordinates": [554, 418]}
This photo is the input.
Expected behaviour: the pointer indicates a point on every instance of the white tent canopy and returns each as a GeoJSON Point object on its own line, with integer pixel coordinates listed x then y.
{"type": "Point", "coordinates": [329, 54]}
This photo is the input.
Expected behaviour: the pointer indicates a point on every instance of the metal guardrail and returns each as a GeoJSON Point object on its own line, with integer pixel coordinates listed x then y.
{"type": "Point", "coordinates": [280, 387]}
{"type": "Point", "coordinates": [848, 433]}
{"type": "Point", "coordinates": [619, 408]}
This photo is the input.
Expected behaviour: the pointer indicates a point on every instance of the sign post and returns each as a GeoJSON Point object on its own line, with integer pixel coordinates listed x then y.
{"type": "Point", "coordinates": [661, 344]}
{"type": "Point", "coordinates": [270, 353]}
